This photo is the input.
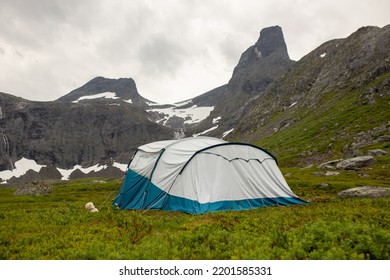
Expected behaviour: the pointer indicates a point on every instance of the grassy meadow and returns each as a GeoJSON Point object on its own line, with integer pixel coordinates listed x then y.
{"type": "Point", "coordinates": [56, 226]}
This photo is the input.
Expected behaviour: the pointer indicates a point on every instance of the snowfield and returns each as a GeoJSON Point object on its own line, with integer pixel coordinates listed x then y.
{"type": "Point", "coordinates": [23, 165]}
{"type": "Point", "coordinates": [190, 115]}
{"type": "Point", "coordinates": [107, 95]}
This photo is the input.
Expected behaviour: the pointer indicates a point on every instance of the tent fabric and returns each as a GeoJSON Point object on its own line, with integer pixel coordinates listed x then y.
{"type": "Point", "coordinates": [203, 174]}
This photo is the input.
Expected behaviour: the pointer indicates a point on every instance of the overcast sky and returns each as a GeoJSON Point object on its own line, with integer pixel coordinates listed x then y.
{"type": "Point", "coordinates": [173, 49]}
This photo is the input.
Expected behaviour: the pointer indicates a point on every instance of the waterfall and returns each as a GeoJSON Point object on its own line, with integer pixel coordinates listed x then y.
{"type": "Point", "coordinates": [6, 146]}
{"type": "Point", "coordinates": [179, 134]}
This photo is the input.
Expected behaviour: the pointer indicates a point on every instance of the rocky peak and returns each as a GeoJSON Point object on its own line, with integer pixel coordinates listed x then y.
{"type": "Point", "coordinates": [271, 41]}
{"type": "Point", "coordinates": [100, 88]}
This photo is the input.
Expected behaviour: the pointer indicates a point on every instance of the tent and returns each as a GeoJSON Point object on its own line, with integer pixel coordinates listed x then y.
{"type": "Point", "coordinates": [203, 174]}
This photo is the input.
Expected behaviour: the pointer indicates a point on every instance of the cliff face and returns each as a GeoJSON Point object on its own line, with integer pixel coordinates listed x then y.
{"type": "Point", "coordinates": [69, 134]}
{"type": "Point", "coordinates": [261, 63]}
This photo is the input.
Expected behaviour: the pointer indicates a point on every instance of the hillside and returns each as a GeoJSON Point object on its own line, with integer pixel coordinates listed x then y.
{"type": "Point", "coordinates": [333, 103]}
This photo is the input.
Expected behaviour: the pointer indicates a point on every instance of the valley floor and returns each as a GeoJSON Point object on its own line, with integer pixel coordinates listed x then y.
{"type": "Point", "coordinates": [56, 225]}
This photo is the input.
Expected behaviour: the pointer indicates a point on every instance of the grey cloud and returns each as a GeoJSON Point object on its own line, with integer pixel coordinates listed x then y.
{"type": "Point", "coordinates": [66, 42]}
{"type": "Point", "coordinates": [161, 55]}
{"type": "Point", "coordinates": [231, 49]}
{"type": "Point", "coordinates": [36, 24]}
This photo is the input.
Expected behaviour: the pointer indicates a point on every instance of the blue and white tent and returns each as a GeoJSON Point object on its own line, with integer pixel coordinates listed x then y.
{"type": "Point", "coordinates": [202, 174]}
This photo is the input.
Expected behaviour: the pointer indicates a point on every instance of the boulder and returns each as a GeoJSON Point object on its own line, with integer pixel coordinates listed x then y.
{"type": "Point", "coordinates": [377, 152]}
{"type": "Point", "coordinates": [329, 164]}
{"type": "Point", "coordinates": [383, 139]}
{"type": "Point", "coordinates": [365, 191]}
{"type": "Point", "coordinates": [356, 163]}
{"type": "Point", "coordinates": [332, 173]}
{"type": "Point", "coordinates": [34, 188]}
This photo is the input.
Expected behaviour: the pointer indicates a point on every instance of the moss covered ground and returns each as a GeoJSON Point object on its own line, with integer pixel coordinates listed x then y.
{"type": "Point", "coordinates": [56, 226]}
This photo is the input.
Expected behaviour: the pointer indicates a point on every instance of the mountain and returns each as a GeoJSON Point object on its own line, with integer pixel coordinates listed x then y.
{"type": "Point", "coordinates": [68, 134]}
{"type": "Point", "coordinates": [332, 103]}
{"type": "Point", "coordinates": [258, 67]}
{"type": "Point", "coordinates": [120, 90]}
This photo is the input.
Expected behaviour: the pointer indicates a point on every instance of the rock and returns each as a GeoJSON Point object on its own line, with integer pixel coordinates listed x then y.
{"type": "Point", "coordinates": [77, 174]}
{"type": "Point", "coordinates": [34, 188]}
{"type": "Point", "coordinates": [350, 151]}
{"type": "Point", "coordinates": [329, 164]}
{"type": "Point", "coordinates": [383, 139]}
{"type": "Point", "coordinates": [318, 173]}
{"type": "Point", "coordinates": [49, 172]}
{"type": "Point", "coordinates": [356, 163]}
{"type": "Point", "coordinates": [332, 173]}
{"type": "Point", "coordinates": [365, 191]}
{"type": "Point", "coordinates": [377, 152]}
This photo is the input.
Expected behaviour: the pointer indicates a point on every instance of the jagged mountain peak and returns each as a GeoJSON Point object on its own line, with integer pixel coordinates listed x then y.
{"type": "Point", "coordinates": [270, 43]}
{"type": "Point", "coordinates": [271, 40]}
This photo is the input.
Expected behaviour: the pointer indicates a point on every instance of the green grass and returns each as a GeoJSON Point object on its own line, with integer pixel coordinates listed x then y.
{"type": "Point", "coordinates": [56, 226]}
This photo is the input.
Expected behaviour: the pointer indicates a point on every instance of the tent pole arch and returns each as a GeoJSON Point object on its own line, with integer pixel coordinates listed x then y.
{"type": "Point", "coordinates": [227, 144]}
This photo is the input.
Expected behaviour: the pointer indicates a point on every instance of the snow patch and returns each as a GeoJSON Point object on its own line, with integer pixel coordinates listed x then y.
{"type": "Point", "coordinates": [178, 104]}
{"type": "Point", "coordinates": [227, 132]}
{"type": "Point", "coordinates": [322, 55]}
{"type": "Point", "coordinates": [66, 172]}
{"type": "Point", "coordinates": [292, 104]}
{"type": "Point", "coordinates": [190, 115]}
{"type": "Point", "coordinates": [216, 120]}
{"type": "Point", "coordinates": [206, 131]}
{"type": "Point", "coordinates": [128, 101]}
{"type": "Point", "coordinates": [21, 167]}
{"type": "Point", "coordinates": [107, 95]}
{"type": "Point", "coordinates": [120, 166]}
{"type": "Point", "coordinates": [151, 103]}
